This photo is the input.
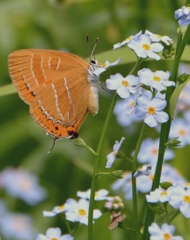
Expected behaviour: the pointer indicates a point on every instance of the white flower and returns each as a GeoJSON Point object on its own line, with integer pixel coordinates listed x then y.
{"type": "Point", "coordinates": [151, 109]}
{"type": "Point", "coordinates": [149, 152]}
{"type": "Point", "coordinates": [172, 175]}
{"type": "Point", "coordinates": [56, 210]}
{"type": "Point", "coordinates": [144, 48]}
{"type": "Point", "coordinates": [16, 226]}
{"type": "Point", "coordinates": [118, 45]}
{"type": "Point", "coordinates": [112, 156]}
{"type": "Point", "coordinates": [99, 195]}
{"type": "Point", "coordinates": [158, 80]}
{"type": "Point", "coordinates": [78, 211]}
{"type": "Point", "coordinates": [103, 67]}
{"type": "Point", "coordinates": [158, 195]}
{"type": "Point", "coordinates": [123, 85]}
{"type": "Point", "coordinates": [124, 184]}
{"type": "Point", "coordinates": [19, 183]}
{"type": "Point", "coordinates": [180, 199]}
{"type": "Point", "coordinates": [127, 40]}
{"type": "Point", "coordinates": [144, 183]}
{"type": "Point", "coordinates": [129, 106]}
{"type": "Point", "coordinates": [54, 234]}
{"type": "Point", "coordinates": [158, 38]}
{"type": "Point", "coordinates": [186, 185]}
{"type": "Point", "coordinates": [130, 102]}
{"type": "Point", "coordinates": [144, 170]}
{"type": "Point", "coordinates": [183, 15]}
{"type": "Point", "coordinates": [181, 129]}
{"type": "Point", "coordinates": [163, 233]}
{"type": "Point", "coordinates": [122, 119]}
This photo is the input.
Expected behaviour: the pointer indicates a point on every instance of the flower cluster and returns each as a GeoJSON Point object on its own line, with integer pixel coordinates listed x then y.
{"type": "Point", "coordinates": [143, 103]}
{"type": "Point", "coordinates": [144, 183]}
{"type": "Point", "coordinates": [146, 45]}
{"type": "Point", "coordinates": [77, 211]}
{"type": "Point", "coordinates": [177, 195]}
{"type": "Point", "coordinates": [114, 203]}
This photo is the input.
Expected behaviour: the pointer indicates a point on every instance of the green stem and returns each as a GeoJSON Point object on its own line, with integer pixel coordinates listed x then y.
{"type": "Point", "coordinates": [136, 66]}
{"type": "Point", "coordinates": [134, 188]}
{"type": "Point", "coordinates": [96, 166]}
{"type": "Point", "coordinates": [175, 214]}
{"type": "Point", "coordinates": [165, 128]}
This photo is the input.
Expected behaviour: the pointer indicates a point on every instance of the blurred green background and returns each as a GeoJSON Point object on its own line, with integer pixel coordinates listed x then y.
{"type": "Point", "coordinates": [63, 24]}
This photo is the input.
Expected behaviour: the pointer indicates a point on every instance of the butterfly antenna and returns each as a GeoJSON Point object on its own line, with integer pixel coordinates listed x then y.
{"type": "Point", "coordinates": [91, 53]}
{"type": "Point", "coordinates": [94, 47]}
{"type": "Point", "coordinates": [54, 140]}
{"type": "Point", "coordinates": [87, 39]}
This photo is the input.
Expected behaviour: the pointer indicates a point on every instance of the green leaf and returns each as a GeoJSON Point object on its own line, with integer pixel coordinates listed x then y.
{"type": "Point", "coordinates": [126, 54]}
{"type": "Point", "coordinates": [7, 89]}
{"type": "Point", "coordinates": [175, 96]}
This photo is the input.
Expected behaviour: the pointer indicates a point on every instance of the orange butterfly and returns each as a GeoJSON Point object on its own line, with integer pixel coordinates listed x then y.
{"type": "Point", "coordinates": [58, 87]}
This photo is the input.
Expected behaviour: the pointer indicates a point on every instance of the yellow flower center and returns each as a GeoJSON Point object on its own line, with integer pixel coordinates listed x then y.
{"type": "Point", "coordinates": [151, 110]}
{"type": "Point", "coordinates": [167, 236]}
{"type": "Point", "coordinates": [54, 239]}
{"type": "Point", "coordinates": [164, 193]}
{"type": "Point", "coordinates": [26, 184]}
{"type": "Point", "coordinates": [151, 177]}
{"type": "Point", "coordinates": [82, 212]}
{"type": "Point", "coordinates": [129, 38]}
{"type": "Point", "coordinates": [146, 47]}
{"type": "Point", "coordinates": [132, 105]}
{"type": "Point", "coordinates": [125, 83]}
{"type": "Point", "coordinates": [186, 199]}
{"type": "Point", "coordinates": [19, 224]}
{"type": "Point", "coordinates": [61, 207]}
{"type": "Point", "coordinates": [182, 132]}
{"type": "Point", "coordinates": [103, 65]}
{"type": "Point", "coordinates": [187, 184]}
{"type": "Point", "coordinates": [154, 151]}
{"type": "Point", "coordinates": [156, 78]}
{"type": "Point", "coordinates": [158, 36]}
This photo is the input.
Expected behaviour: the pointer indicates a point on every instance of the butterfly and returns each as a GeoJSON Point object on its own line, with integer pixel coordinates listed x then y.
{"type": "Point", "coordinates": [59, 88]}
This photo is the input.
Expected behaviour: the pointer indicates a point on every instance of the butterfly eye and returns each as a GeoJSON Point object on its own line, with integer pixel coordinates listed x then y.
{"type": "Point", "coordinates": [93, 61]}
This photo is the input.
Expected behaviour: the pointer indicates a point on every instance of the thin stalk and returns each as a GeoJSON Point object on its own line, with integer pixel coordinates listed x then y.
{"type": "Point", "coordinates": [96, 166]}
{"type": "Point", "coordinates": [134, 188]}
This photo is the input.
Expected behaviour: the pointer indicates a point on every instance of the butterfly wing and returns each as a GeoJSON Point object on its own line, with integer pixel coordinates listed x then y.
{"type": "Point", "coordinates": [55, 86]}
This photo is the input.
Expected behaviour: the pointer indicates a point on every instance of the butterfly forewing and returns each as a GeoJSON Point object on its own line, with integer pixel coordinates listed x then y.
{"type": "Point", "coordinates": [55, 86]}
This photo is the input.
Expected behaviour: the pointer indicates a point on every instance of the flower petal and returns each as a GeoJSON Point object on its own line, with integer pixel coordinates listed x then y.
{"type": "Point", "coordinates": [158, 103]}
{"type": "Point", "coordinates": [161, 117]}
{"type": "Point", "coordinates": [110, 159]}
{"type": "Point", "coordinates": [150, 121]}
{"type": "Point", "coordinates": [53, 233]}
{"type": "Point", "coordinates": [123, 92]}
{"type": "Point", "coordinates": [140, 112]}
